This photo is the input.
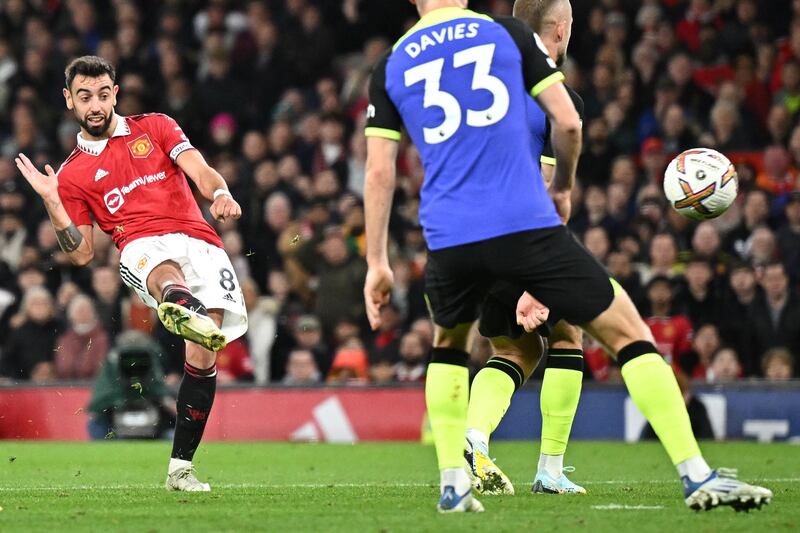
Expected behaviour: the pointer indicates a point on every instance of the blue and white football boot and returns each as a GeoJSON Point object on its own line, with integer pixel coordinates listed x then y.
{"type": "Point", "coordinates": [547, 484]}
{"type": "Point", "coordinates": [451, 502]}
{"type": "Point", "coordinates": [722, 488]}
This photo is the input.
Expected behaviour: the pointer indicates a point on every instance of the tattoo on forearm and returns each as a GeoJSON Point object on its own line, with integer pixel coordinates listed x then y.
{"type": "Point", "coordinates": [69, 238]}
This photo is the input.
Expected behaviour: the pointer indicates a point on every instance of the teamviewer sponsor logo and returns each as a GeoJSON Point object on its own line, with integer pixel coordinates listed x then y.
{"type": "Point", "coordinates": [114, 200]}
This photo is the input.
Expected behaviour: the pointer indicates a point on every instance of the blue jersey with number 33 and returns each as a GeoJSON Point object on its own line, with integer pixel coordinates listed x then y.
{"type": "Point", "coordinates": [460, 83]}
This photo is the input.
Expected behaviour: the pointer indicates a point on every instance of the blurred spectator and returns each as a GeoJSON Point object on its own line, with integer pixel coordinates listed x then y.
{"type": "Point", "coordinates": [673, 333]}
{"type": "Point", "coordinates": [756, 211]}
{"type": "Point", "coordinates": [735, 324]}
{"type": "Point", "coordinates": [386, 344]}
{"type": "Point", "coordinates": [29, 351]}
{"type": "Point", "coordinates": [301, 368]}
{"type": "Point", "coordinates": [12, 236]}
{"type": "Point", "coordinates": [663, 258]}
{"type": "Point", "coordinates": [382, 372]}
{"type": "Point", "coordinates": [262, 327]}
{"type": "Point", "coordinates": [789, 238]}
{"type": "Point", "coordinates": [108, 294]}
{"type": "Point", "coordinates": [340, 277]}
{"type": "Point", "coordinates": [778, 364]}
{"type": "Point", "coordinates": [727, 131]}
{"type": "Point", "coordinates": [775, 316]}
{"type": "Point", "coordinates": [789, 94]}
{"type": "Point", "coordinates": [413, 364]}
{"type": "Point", "coordinates": [423, 327]}
{"type": "Point", "coordinates": [725, 366]}
{"type": "Point", "coordinates": [779, 175]}
{"type": "Point", "coordinates": [761, 247]}
{"type": "Point", "coordinates": [706, 243]}
{"type": "Point", "coordinates": [350, 365]}
{"type": "Point", "coordinates": [306, 334]}
{"type": "Point", "coordinates": [81, 350]}
{"type": "Point", "coordinates": [705, 343]}
{"type": "Point", "coordinates": [597, 242]}
{"type": "Point", "coordinates": [621, 268]}
{"type": "Point", "coordinates": [699, 299]}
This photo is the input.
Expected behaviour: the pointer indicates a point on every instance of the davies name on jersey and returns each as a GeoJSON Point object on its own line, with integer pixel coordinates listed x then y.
{"type": "Point", "coordinates": [449, 33]}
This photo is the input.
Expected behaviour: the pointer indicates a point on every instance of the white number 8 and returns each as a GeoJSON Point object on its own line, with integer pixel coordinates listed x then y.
{"type": "Point", "coordinates": [431, 74]}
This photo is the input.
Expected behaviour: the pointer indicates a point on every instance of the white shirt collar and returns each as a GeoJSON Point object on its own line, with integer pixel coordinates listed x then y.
{"type": "Point", "coordinates": [96, 147]}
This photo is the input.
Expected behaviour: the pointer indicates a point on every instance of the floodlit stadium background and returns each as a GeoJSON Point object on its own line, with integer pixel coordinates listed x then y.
{"type": "Point", "coordinates": [273, 93]}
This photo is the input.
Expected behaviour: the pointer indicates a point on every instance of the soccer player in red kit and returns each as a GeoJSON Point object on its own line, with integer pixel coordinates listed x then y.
{"type": "Point", "coordinates": [128, 174]}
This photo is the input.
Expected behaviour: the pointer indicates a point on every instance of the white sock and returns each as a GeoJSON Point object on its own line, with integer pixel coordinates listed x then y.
{"type": "Point", "coordinates": [478, 439]}
{"type": "Point", "coordinates": [695, 469]}
{"type": "Point", "coordinates": [552, 464]}
{"type": "Point", "coordinates": [177, 464]}
{"type": "Point", "coordinates": [457, 478]}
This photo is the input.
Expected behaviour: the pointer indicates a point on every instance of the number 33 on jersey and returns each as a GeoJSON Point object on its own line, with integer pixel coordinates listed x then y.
{"type": "Point", "coordinates": [459, 81]}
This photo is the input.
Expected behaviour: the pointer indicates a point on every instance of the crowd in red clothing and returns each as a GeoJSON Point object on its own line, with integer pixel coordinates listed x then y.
{"type": "Point", "coordinates": [273, 93]}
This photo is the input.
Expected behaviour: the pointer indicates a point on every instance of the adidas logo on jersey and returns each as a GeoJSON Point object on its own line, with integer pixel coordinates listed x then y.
{"type": "Point", "coordinates": [228, 297]}
{"type": "Point", "coordinates": [100, 174]}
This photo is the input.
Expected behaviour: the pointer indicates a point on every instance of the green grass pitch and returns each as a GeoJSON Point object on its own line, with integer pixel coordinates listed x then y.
{"type": "Point", "coordinates": [117, 486]}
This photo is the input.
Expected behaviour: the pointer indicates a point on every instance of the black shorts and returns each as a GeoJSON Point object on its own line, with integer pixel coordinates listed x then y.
{"type": "Point", "coordinates": [486, 278]}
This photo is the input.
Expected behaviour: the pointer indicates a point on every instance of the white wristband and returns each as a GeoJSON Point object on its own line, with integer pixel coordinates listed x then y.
{"type": "Point", "coordinates": [222, 192]}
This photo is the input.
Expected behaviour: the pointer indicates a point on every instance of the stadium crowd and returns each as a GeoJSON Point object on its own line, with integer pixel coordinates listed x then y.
{"type": "Point", "coordinates": [274, 94]}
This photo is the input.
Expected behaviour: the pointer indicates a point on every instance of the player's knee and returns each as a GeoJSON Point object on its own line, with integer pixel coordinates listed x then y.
{"type": "Point", "coordinates": [457, 338]}
{"type": "Point", "coordinates": [565, 335]}
{"type": "Point", "coordinates": [634, 350]}
{"type": "Point", "coordinates": [449, 356]}
{"type": "Point", "coordinates": [523, 352]}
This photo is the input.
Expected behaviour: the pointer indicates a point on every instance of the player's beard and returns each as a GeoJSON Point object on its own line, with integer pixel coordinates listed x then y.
{"type": "Point", "coordinates": [561, 58]}
{"type": "Point", "coordinates": [95, 131]}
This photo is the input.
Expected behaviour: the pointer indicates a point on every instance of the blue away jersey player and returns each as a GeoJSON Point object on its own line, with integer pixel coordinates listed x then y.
{"type": "Point", "coordinates": [460, 81]}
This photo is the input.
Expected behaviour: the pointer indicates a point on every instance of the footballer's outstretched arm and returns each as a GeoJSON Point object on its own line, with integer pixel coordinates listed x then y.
{"type": "Point", "coordinates": [76, 241]}
{"type": "Point", "coordinates": [379, 187]}
{"type": "Point", "coordinates": [210, 183]}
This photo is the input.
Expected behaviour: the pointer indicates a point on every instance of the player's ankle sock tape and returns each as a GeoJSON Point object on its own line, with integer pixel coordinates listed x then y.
{"type": "Point", "coordinates": [200, 372]}
{"type": "Point", "coordinates": [182, 295]}
{"type": "Point", "coordinates": [172, 289]}
{"type": "Point", "coordinates": [447, 396]}
{"type": "Point", "coordinates": [510, 368]}
{"type": "Point", "coordinates": [561, 391]}
{"type": "Point", "coordinates": [565, 358]}
{"type": "Point", "coordinates": [491, 394]}
{"type": "Point", "coordinates": [634, 350]}
{"type": "Point", "coordinates": [449, 356]}
{"type": "Point", "coordinates": [195, 398]}
{"type": "Point", "coordinates": [654, 389]}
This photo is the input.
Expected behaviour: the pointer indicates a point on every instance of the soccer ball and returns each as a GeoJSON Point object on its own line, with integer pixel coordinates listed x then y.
{"type": "Point", "coordinates": [700, 183]}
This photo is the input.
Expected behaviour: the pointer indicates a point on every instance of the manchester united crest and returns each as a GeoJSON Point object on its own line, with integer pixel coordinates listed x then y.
{"type": "Point", "coordinates": [142, 262]}
{"type": "Point", "coordinates": [141, 146]}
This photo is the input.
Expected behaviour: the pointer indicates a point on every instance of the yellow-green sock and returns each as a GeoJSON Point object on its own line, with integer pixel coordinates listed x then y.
{"type": "Point", "coordinates": [561, 390]}
{"type": "Point", "coordinates": [654, 389]}
{"type": "Point", "coordinates": [446, 396]}
{"type": "Point", "coordinates": [491, 394]}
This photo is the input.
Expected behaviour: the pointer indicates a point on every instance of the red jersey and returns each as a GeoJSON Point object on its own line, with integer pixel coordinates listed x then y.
{"type": "Point", "coordinates": [130, 184]}
{"type": "Point", "coordinates": [673, 336]}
